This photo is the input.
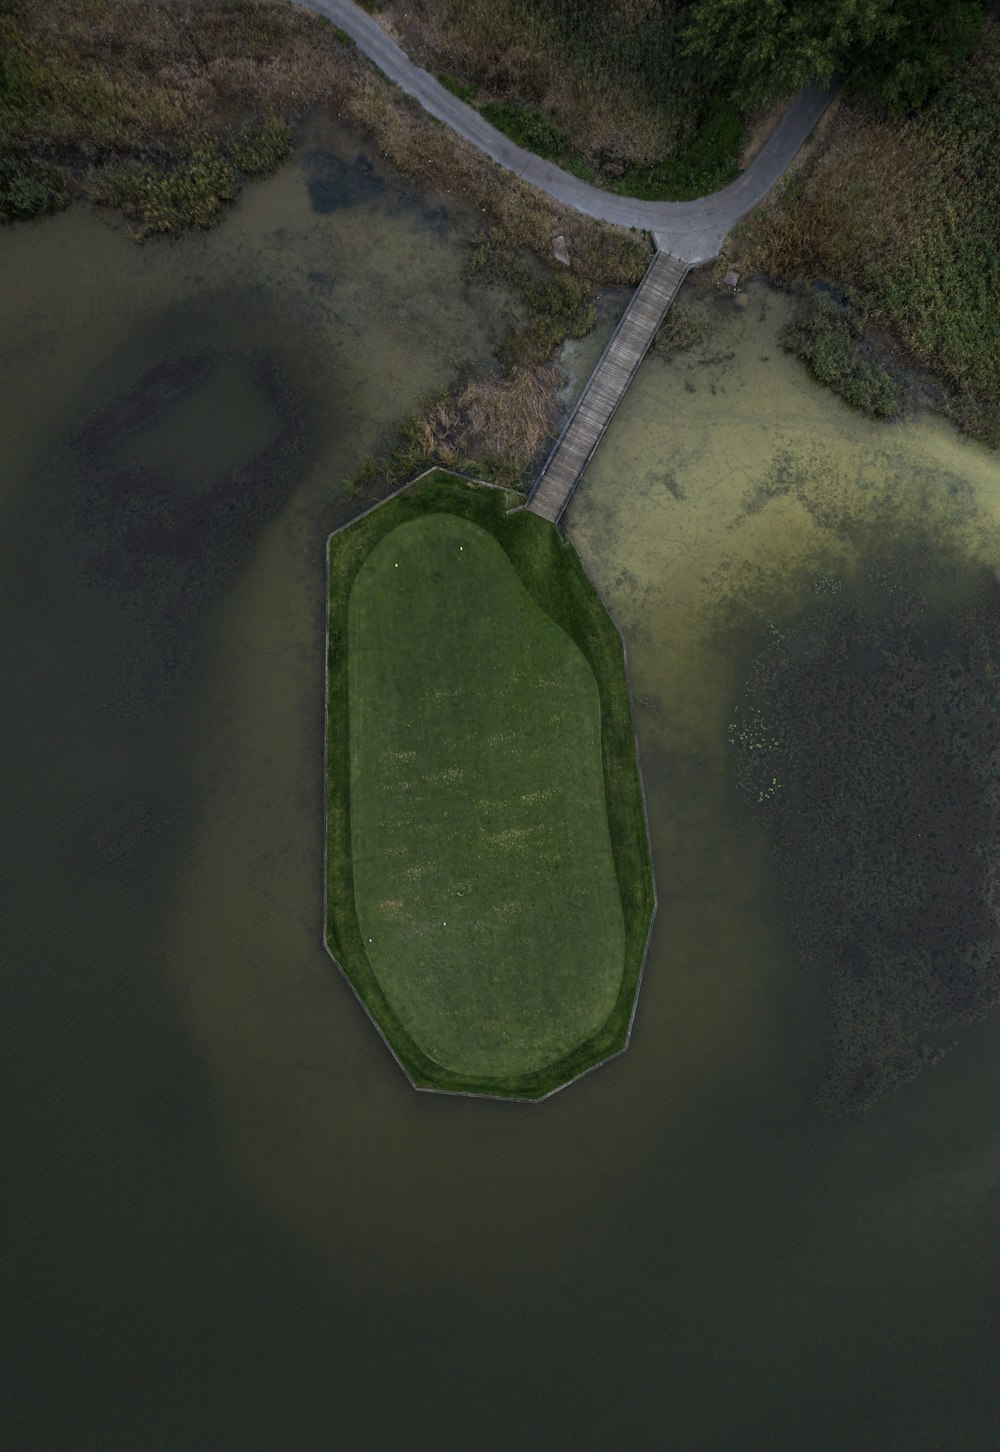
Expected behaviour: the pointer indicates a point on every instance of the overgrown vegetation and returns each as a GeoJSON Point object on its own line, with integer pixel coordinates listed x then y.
{"type": "Point", "coordinates": [609, 91]}
{"type": "Point", "coordinates": [551, 572]}
{"type": "Point", "coordinates": [194, 191]}
{"type": "Point", "coordinates": [907, 214]}
{"type": "Point", "coordinates": [166, 118]}
{"type": "Point", "coordinates": [163, 119]}
{"type": "Point", "coordinates": [558, 308]}
{"type": "Point", "coordinates": [827, 333]}
{"type": "Point", "coordinates": [650, 97]}
{"type": "Point", "coordinates": [897, 50]}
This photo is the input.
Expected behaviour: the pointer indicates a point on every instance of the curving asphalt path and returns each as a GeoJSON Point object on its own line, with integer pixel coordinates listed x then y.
{"type": "Point", "coordinates": [692, 231]}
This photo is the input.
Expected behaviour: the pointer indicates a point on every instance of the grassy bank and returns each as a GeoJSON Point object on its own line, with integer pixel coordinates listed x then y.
{"type": "Point", "coordinates": [905, 214]}
{"type": "Point", "coordinates": [550, 571]}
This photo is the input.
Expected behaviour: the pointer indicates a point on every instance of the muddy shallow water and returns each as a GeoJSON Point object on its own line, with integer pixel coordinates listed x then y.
{"type": "Point", "coordinates": [235, 1225]}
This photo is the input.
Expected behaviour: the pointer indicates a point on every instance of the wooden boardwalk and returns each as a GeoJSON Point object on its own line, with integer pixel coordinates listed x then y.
{"type": "Point", "coordinates": [606, 387]}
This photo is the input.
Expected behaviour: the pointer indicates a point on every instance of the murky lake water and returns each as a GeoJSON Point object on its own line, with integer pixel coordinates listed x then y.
{"type": "Point", "coordinates": [234, 1225]}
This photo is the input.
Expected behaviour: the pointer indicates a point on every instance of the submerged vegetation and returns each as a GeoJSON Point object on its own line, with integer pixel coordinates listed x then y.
{"type": "Point", "coordinates": [461, 784]}
{"type": "Point", "coordinates": [194, 192]}
{"type": "Point", "coordinates": [868, 743]}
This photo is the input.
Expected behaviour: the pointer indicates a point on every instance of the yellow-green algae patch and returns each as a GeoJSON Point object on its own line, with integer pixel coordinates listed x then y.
{"type": "Point", "coordinates": [489, 885]}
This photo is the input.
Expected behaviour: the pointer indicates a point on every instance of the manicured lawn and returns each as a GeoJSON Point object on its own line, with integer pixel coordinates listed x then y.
{"type": "Point", "coordinates": [489, 889]}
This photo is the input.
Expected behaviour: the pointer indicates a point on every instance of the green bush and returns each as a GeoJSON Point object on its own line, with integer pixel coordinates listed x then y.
{"type": "Point", "coordinates": [29, 188]}
{"type": "Point", "coordinates": [527, 128]}
{"type": "Point", "coordinates": [711, 161]}
{"type": "Point", "coordinates": [558, 309]}
{"type": "Point", "coordinates": [898, 50]}
{"type": "Point", "coordinates": [826, 334]}
{"type": "Point", "coordinates": [261, 148]}
{"type": "Point", "coordinates": [194, 194]}
{"type": "Point", "coordinates": [465, 91]}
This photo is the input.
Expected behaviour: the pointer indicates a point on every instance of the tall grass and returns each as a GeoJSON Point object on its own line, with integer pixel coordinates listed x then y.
{"type": "Point", "coordinates": [827, 333]}
{"type": "Point", "coordinates": [150, 118]}
{"type": "Point", "coordinates": [496, 428]}
{"type": "Point", "coordinates": [908, 213]}
{"type": "Point", "coordinates": [605, 88]}
{"type": "Point", "coordinates": [167, 119]}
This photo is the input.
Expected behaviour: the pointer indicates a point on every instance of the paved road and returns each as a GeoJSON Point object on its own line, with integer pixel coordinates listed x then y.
{"type": "Point", "coordinates": [693, 231]}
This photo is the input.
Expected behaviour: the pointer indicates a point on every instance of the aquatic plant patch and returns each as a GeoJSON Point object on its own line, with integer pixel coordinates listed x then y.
{"type": "Point", "coordinates": [489, 888]}
{"type": "Point", "coordinates": [867, 743]}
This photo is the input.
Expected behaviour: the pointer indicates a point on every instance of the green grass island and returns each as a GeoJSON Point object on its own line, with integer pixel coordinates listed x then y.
{"type": "Point", "coordinates": [489, 888]}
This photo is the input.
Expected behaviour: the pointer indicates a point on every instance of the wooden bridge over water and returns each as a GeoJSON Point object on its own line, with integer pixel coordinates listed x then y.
{"type": "Point", "coordinates": [606, 386]}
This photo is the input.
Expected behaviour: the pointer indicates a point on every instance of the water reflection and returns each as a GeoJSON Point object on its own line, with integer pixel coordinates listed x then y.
{"type": "Point", "coordinates": [244, 1227]}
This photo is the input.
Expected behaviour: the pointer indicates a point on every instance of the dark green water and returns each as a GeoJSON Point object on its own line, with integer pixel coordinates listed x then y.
{"type": "Point", "coordinates": [230, 1224]}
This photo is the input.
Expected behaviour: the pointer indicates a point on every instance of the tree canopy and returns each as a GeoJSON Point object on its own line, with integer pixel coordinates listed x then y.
{"type": "Point", "coordinates": [899, 50]}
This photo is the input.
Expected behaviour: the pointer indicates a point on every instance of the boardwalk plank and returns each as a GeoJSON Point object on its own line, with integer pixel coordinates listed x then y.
{"type": "Point", "coordinates": [606, 387]}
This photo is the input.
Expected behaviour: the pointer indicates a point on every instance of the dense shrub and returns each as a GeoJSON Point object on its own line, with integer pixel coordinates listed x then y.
{"type": "Point", "coordinates": [194, 194]}
{"type": "Point", "coordinates": [527, 128]}
{"type": "Point", "coordinates": [559, 308]}
{"type": "Point", "coordinates": [907, 212]}
{"type": "Point", "coordinates": [898, 50]}
{"type": "Point", "coordinates": [711, 161]}
{"type": "Point", "coordinates": [29, 188]}
{"type": "Point", "coordinates": [827, 334]}
{"type": "Point", "coordinates": [605, 90]}
{"type": "Point", "coordinates": [261, 147]}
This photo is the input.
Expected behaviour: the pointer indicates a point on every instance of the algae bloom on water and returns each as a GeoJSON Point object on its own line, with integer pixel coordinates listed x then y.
{"type": "Point", "coordinates": [489, 890]}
